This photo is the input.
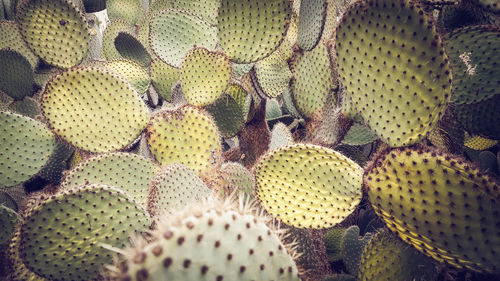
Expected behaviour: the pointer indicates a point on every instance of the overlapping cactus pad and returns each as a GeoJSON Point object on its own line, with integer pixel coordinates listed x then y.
{"type": "Point", "coordinates": [308, 186]}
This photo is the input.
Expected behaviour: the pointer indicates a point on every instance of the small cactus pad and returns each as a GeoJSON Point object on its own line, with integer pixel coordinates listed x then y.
{"type": "Point", "coordinates": [393, 64]}
{"type": "Point", "coordinates": [228, 115]}
{"type": "Point", "coordinates": [128, 10]}
{"type": "Point", "coordinates": [130, 71]}
{"type": "Point", "coordinates": [478, 143]}
{"type": "Point", "coordinates": [131, 48]}
{"type": "Point", "coordinates": [129, 172]}
{"type": "Point", "coordinates": [101, 111]}
{"type": "Point", "coordinates": [250, 30]}
{"type": "Point", "coordinates": [71, 228]}
{"type": "Point", "coordinates": [175, 186]}
{"type": "Point", "coordinates": [386, 257]}
{"type": "Point", "coordinates": [312, 18]}
{"type": "Point", "coordinates": [16, 74]}
{"type": "Point", "coordinates": [273, 74]}
{"type": "Point", "coordinates": [8, 221]}
{"type": "Point", "coordinates": [359, 134]}
{"type": "Point", "coordinates": [312, 80]}
{"type": "Point", "coordinates": [163, 77]}
{"type": "Point", "coordinates": [114, 28]}
{"type": "Point", "coordinates": [333, 243]}
{"type": "Point", "coordinates": [204, 76]}
{"type": "Point", "coordinates": [11, 38]}
{"type": "Point", "coordinates": [26, 147]}
{"type": "Point", "coordinates": [475, 54]}
{"type": "Point", "coordinates": [481, 118]}
{"type": "Point", "coordinates": [280, 136]}
{"type": "Point", "coordinates": [236, 177]}
{"type": "Point", "coordinates": [213, 241]}
{"type": "Point", "coordinates": [173, 33]}
{"type": "Point", "coordinates": [308, 186]}
{"type": "Point", "coordinates": [55, 30]}
{"type": "Point", "coordinates": [330, 21]}
{"type": "Point", "coordinates": [352, 248]}
{"type": "Point", "coordinates": [187, 135]}
{"type": "Point", "coordinates": [440, 204]}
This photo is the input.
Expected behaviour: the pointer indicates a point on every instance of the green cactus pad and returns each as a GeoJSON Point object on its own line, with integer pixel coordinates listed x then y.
{"type": "Point", "coordinates": [101, 111]}
{"type": "Point", "coordinates": [174, 187]}
{"type": "Point", "coordinates": [352, 248]}
{"type": "Point", "coordinates": [212, 241]}
{"type": "Point", "coordinates": [228, 115]}
{"type": "Point", "coordinates": [312, 80]}
{"type": "Point", "coordinates": [187, 135]}
{"type": "Point", "coordinates": [478, 143]}
{"type": "Point", "coordinates": [280, 136]}
{"type": "Point", "coordinates": [71, 228]}
{"type": "Point", "coordinates": [204, 9]}
{"type": "Point", "coordinates": [359, 134]}
{"type": "Point", "coordinates": [273, 74]}
{"type": "Point", "coordinates": [440, 204]}
{"type": "Point", "coordinates": [26, 147]}
{"type": "Point", "coordinates": [131, 48]}
{"type": "Point", "coordinates": [173, 33]}
{"type": "Point", "coordinates": [312, 17]}
{"type": "Point", "coordinates": [19, 271]}
{"type": "Point", "coordinates": [333, 243]}
{"type": "Point", "coordinates": [11, 38]}
{"type": "Point", "coordinates": [114, 28]}
{"type": "Point", "coordinates": [236, 177]}
{"type": "Point", "coordinates": [481, 118]}
{"type": "Point", "coordinates": [393, 64]}
{"type": "Point", "coordinates": [55, 30]}
{"type": "Point", "coordinates": [128, 10]}
{"type": "Point", "coordinates": [16, 74]}
{"type": "Point", "coordinates": [28, 107]}
{"type": "Point", "coordinates": [330, 21]}
{"type": "Point", "coordinates": [250, 30]}
{"type": "Point", "coordinates": [130, 172]}
{"type": "Point", "coordinates": [57, 163]}
{"type": "Point", "coordinates": [163, 77]}
{"type": "Point", "coordinates": [475, 56]}
{"type": "Point", "coordinates": [204, 76]}
{"type": "Point", "coordinates": [386, 257]}
{"type": "Point", "coordinates": [8, 221]}
{"type": "Point", "coordinates": [308, 186]}
{"type": "Point", "coordinates": [130, 71]}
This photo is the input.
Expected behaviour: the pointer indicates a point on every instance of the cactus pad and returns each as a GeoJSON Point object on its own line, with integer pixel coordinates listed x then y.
{"type": "Point", "coordinates": [352, 248]}
{"type": "Point", "coordinates": [359, 134]}
{"type": "Point", "coordinates": [333, 243]}
{"type": "Point", "coordinates": [273, 74]}
{"type": "Point", "coordinates": [308, 186]}
{"type": "Point", "coordinates": [173, 33]}
{"type": "Point", "coordinates": [236, 177]}
{"type": "Point", "coordinates": [477, 142]}
{"type": "Point", "coordinates": [128, 10]}
{"type": "Point", "coordinates": [440, 204]}
{"type": "Point", "coordinates": [163, 77]}
{"type": "Point", "coordinates": [228, 115]}
{"type": "Point", "coordinates": [19, 270]}
{"type": "Point", "coordinates": [312, 18]}
{"type": "Point", "coordinates": [27, 107]}
{"type": "Point", "coordinates": [8, 221]}
{"type": "Point", "coordinates": [129, 172]}
{"type": "Point", "coordinates": [280, 136]}
{"type": "Point", "coordinates": [250, 30]}
{"type": "Point", "coordinates": [188, 136]}
{"type": "Point", "coordinates": [131, 48]}
{"type": "Point", "coordinates": [101, 111]}
{"type": "Point", "coordinates": [71, 228]}
{"type": "Point", "coordinates": [114, 28]}
{"type": "Point", "coordinates": [55, 30]}
{"type": "Point", "coordinates": [26, 147]}
{"type": "Point", "coordinates": [393, 64]}
{"type": "Point", "coordinates": [481, 118]}
{"type": "Point", "coordinates": [212, 241]}
{"type": "Point", "coordinates": [17, 74]}
{"type": "Point", "coordinates": [11, 38]}
{"type": "Point", "coordinates": [130, 71]}
{"type": "Point", "coordinates": [204, 76]}
{"type": "Point", "coordinates": [174, 187]}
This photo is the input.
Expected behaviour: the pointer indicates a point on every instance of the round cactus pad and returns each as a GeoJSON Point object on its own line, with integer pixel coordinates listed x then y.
{"type": "Point", "coordinates": [16, 74]}
{"type": "Point", "coordinates": [130, 71]}
{"type": "Point", "coordinates": [11, 38]}
{"type": "Point", "coordinates": [308, 186]}
{"type": "Point", "coordinates": [173, 33]}
{"type": "Point", "coordinates": [204, 76]}
{"type": "Point", "coordinates": [312, 18]}
{"type": "Point", "coordinates": [94, 109]}
{"type": "Point", "coordinates": [163, 76]}
{"type": "Point", "coordinates": [250, 30]}
{"type": "Point", "coordinates": [26, 147]}
{"type": "Point", "coordinates": [55, 30]}
{"type": "Point", "coordinates": [72, 227]}
{"type": "Point", "coordinates": [187, 135]}
{"type": "Point", "coordinates": [129, 172]}
{"type": "Point", "coordinates": [440, 204]}
{"type": "Point", "coordinates": [273, 74]}
{"type": "Point", "coordinates": [393, 64]}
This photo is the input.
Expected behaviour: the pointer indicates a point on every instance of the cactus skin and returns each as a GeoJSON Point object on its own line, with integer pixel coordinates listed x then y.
{"type": "Point", "coordinates": [17, 74]}
{"type": "Point", "coordinates": [426, 198]}
{"type": "Point", "coordinates": [477, 142]}
{"type": "Point", "coordinates": [8, 220]}
{"type": "Point", "coordinates": [210, 241]}
{"type": "Point", "coordinates": [352, 248]}
{"type": "Point", "coordinates": [333, 243]}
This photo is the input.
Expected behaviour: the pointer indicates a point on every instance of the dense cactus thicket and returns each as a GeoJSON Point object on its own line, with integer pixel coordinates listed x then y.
{"type": "Point", "coordinates": [148, 140]}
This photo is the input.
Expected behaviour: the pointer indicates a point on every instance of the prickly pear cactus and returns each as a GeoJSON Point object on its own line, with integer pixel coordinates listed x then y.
{"type": "Point", "coordinates": [210, 241]}
{"type": "Point", "coordinates": [352, 248]}
{"type": "Point", "coordinates": [426, 198]}
{"type": "Point", "coordinates": [8, 219]}
{"type": "Point", "coordinates": [17, 74]}
{"type": "Point", "coordinates": [11, 38]}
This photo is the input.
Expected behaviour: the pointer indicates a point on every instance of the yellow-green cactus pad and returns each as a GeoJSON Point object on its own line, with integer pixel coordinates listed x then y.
{"type": "Point", "coordinates": [228, 115]}
{"type": "Point", "coordinates": [204, 9]}
{"type": "Point", "coordinates": [94, 109]}
{"type": "Point", "coordinates": [312, 80]}
{"type": "Point", "coordinates": [11, 38]}
{"type": "Point", "coordinates": [250, 30]}
{"type": "Point", "coordinates": [312, 17]}
{"type": "Point", "coordinates": [63, 237]}
{"type": "Point", "coordinates": [173, 33]}
{"type": "Point", "coordinates": [439, 203]}
{"type": "Point", "coordinates": [19, 270]}
{"type": "Point", "coordinates": [129, 172]}
{"type": "Point", "coordinates": [58, 162]}
{"type": "Point", "coordinates": [8, 220]}
{"type": "Point", "coordinates": [26, 147]}
{"type": "Point", "coordinates": [131, 48]}
{"type": "Point", "coordinates": [16, 74]}
{"type": "Point", "coordinates": [128, 10]}
{"type": "Point", "coordinates": [204, 76]}
{"type": "Point", "coordinates": [55, 30]}
{"type": "Point", "coordinates": [130, 71]}
{"type": "Point", "coordinates": [273, 74]}
{"type": "Point", "coordinates": [477, 142]}
{"type": "Point", "coordinates": [163, 76]}
{"type": "Point", "coordinates": [187, 135]}
{"type": "Point", "coordinates": [393, 64]}
{"type": "Point", "coordinates": [174, 187]}
{"type": "Point", "coordinates": [114, 28]}
{"type": "Point", "coordinates": [359, 134]}
{"type": "Point", "coordinates": [308, 186]}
